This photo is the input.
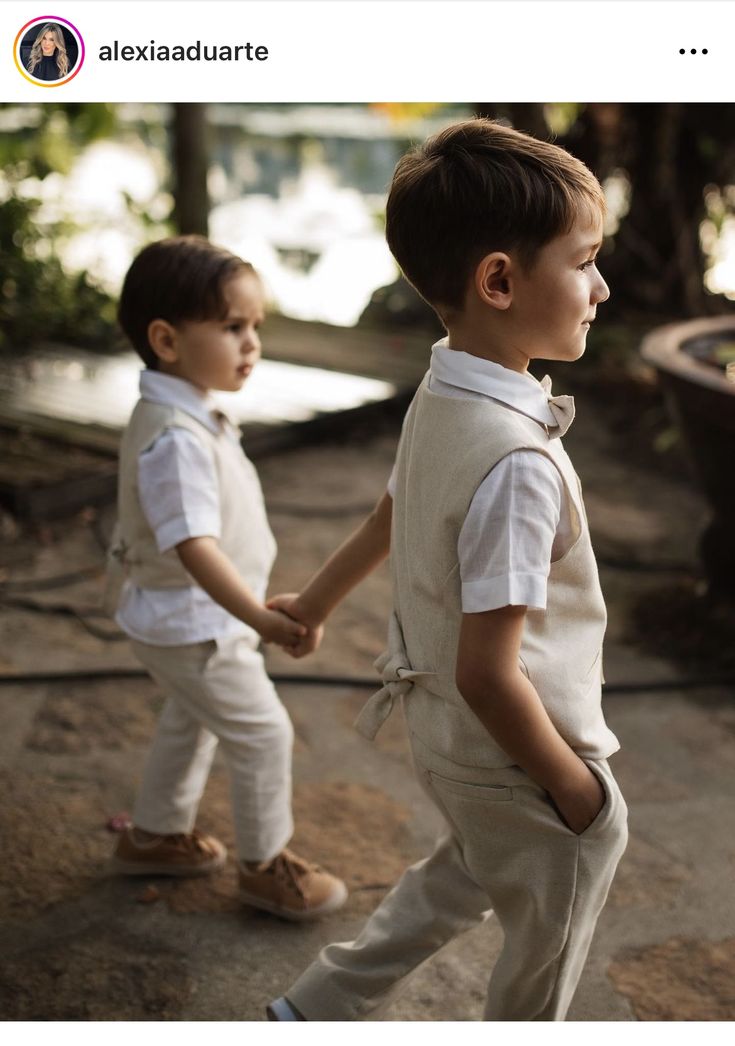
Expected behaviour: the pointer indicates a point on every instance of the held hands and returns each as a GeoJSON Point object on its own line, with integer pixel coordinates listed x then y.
{"type": "Point", "coordinates": [214, 571]}
{"type": "Point", "coordinates": [580, 804]}
{"type": "Point", "coordinates": [288, 604]}
{"type": "Point", "coordinates": [275, 627]}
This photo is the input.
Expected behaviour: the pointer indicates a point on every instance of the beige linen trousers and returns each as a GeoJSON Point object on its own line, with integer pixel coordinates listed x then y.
{"type": "Point", "coordinates": [218, 693]}
{"type": "Point", "coordinates": [506, 852]}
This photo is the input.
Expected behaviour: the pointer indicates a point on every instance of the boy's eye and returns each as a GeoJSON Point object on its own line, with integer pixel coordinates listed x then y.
{"type": "Point", "coordinates": [586, 265]}
{"type": "Point", "coordinates": [234, 327]}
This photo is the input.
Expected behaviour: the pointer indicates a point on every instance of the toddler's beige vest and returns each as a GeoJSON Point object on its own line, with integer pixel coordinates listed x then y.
{"type": "Point", "coordinates": [245, 536]}
{"type": "Point", "coordinates": [447, 448]}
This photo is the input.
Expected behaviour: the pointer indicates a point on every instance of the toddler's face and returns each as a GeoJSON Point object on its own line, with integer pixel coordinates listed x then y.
{"type": "Point", "coordinates": [220, 354]}
{"type": "Point", "coordinates": [556, 302]}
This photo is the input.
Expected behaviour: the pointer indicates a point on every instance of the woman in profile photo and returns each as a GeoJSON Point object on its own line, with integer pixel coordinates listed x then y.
{"type": "Point", "coordinates": [48, 59]}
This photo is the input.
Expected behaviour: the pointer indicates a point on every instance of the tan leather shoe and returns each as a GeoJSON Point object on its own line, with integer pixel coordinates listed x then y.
{"type": "Point", "coordinates": [291, 887]}
{"type": "Point", "coordinates": [139, 853]}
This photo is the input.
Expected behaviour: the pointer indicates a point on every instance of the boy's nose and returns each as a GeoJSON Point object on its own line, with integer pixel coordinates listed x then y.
{"type": "Point", "coordinates": [601, 291]}
{"type": "Point", "coordinates": [251, 344]}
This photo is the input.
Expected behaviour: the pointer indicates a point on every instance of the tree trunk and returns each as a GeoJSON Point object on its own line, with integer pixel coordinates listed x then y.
{"type": "Point", "coordinates": [656, 263]}
{"type": "Point", "coordinates": [190, 148]}
{"type": "Point", "coordinates": [525, 116]}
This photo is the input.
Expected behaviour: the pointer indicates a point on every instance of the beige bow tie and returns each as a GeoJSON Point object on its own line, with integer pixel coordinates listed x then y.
{"type": "Point", "coordinates": [562, 407]}
{"type": "Point", "coordinates": [221, 418]}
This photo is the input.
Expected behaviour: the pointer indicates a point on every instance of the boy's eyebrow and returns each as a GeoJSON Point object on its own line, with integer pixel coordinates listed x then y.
{"type": "Point", "coordinates": [234, 317]}
{"type": "Point", "coordinates": [592, 246]}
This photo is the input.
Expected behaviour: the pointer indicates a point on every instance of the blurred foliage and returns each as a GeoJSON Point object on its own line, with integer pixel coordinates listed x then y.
{"type": "Point", "coordinates": [403, 112]}
{"type": "Point", "coordinates": [561, 116]}
{"type": "Point", "coordinates": [58, 134]}
{"type": "Point", "coordinates": [39, 300]}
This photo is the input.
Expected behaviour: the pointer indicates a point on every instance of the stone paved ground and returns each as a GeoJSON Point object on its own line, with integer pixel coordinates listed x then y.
{"type": "Point", "coordinates": [80, 946]}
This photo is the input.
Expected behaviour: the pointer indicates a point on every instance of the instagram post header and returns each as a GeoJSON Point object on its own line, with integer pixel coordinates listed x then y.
{"type": "Point", "coordinates": [371, 50]}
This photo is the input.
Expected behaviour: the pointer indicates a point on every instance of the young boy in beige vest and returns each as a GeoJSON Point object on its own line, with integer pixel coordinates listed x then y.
{"type": "Point", "coordinates": [196, 549]}
{"type": "Point", "coordinates": [495, 640]}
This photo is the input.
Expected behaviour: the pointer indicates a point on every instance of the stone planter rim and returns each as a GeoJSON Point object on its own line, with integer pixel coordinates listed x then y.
{"type": "Point", "coordinates": [662, 349]}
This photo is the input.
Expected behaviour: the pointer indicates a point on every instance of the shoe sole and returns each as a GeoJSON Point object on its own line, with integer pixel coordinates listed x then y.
{"type": "Point", "coordinates": [116, 866]}
{"type": "Point", "coordinates": [281, 1010]}
{"type": "Point", "coordinates": [332, 903]}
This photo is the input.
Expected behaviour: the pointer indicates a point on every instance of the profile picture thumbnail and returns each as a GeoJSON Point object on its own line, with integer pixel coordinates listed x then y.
{"type": "Point", "coordinates": [49, 51]}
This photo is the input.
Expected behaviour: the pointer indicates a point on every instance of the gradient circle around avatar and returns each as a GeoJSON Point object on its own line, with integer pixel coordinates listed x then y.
{"type": "Point", "coordinates": [49, 51]}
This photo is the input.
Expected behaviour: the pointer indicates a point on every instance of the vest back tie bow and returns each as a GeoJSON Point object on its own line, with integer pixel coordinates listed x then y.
{"type": "Point", "coordinates": [398, 678]}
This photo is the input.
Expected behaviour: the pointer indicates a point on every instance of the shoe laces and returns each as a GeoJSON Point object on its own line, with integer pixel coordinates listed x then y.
{"type": "Point", "coordinates": [191, 842]}
{"type": "Point", "coordinates": [293, 869]}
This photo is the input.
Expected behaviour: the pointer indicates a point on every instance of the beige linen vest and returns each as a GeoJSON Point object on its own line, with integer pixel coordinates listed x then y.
{"type": "Point", "coordinates": [245, 536]}
{"type": "Point", "coordinates": [447, 448]}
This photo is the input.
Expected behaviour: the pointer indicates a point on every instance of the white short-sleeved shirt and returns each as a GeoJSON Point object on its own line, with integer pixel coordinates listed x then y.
{"type": "Point", "coordinates": [519, 520]}
{"type": "Point", "coordinates": [179, 498]}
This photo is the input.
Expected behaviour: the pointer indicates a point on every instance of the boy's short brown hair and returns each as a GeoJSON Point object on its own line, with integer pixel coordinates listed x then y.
{"type": "Point", "coordinates": [475, 188]}
{"type": "Point", "coordinates": [177, 279]}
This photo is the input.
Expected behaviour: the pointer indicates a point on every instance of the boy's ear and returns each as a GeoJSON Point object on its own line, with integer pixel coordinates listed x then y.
{"type": "Point", "coordinates": [162, 339]}
{"type": "Point", "coordinates": [493, 282]}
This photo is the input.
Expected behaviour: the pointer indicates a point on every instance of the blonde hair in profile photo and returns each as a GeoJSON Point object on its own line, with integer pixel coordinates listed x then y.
{"type": "Point", "coordinates": [62, 60]}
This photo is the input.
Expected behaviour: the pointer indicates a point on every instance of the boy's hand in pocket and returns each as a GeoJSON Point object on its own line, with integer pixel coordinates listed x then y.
{"type": "Point", "coordinates": [579, 805]}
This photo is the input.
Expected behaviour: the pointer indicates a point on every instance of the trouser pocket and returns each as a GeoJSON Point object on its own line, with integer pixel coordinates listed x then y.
{"type": "Point", "coordinates": [609, 810]}
{"type": "Point", "coordinates": [471, 790]}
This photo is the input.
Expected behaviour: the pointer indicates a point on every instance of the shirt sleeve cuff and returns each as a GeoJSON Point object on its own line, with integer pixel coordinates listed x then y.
{"type": "Point", "coordinates": [174, 531]}
{"type": "Point", "coordinates": [509, 590]}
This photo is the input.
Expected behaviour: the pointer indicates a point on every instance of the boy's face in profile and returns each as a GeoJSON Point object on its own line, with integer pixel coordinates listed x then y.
{"type": "Point", "coordinates": [556, 301]}
{"type": "Point", "coordinates": [216, 354]}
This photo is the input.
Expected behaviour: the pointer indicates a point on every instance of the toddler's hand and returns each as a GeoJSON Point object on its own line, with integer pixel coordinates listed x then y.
{"type": "Point", "coordinates": [276, 627]}
{"type": "Point", "coordinates": [308, 643]}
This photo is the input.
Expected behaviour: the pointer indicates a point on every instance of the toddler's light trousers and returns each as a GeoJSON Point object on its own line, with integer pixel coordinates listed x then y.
{"type": "Point", "coordinates": [507, 850]}
{"type": "Point", "coordinates": [218, 692]}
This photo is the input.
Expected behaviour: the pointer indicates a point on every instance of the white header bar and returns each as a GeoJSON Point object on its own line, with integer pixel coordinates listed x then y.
{"type": "Point", "coordinates": [360, 50]}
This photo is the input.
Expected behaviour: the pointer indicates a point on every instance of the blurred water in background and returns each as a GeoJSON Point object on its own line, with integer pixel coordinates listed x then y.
{"type": "Point", "coordinates": [85, 388]}
{"type": "Point", "coordinates": [297, 190]}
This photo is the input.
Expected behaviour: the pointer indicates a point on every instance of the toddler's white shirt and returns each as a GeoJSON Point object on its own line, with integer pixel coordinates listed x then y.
{"type": "Point", "coordinates": [179, 497]}
{"type": "Point", "coordinates": [519, 520]}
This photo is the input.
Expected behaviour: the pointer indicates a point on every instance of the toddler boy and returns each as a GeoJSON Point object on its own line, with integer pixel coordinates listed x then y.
{"type": "Point", "coordinates": [495, 639]}
{"type": "Point", "coordinates": [197, 550]}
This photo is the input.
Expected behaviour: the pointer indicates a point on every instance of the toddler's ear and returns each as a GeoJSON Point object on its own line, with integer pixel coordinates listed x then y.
{"type": "Point", "coordinates": [162, 339]}
{"type": "Point", "coordinates": [493, 280]}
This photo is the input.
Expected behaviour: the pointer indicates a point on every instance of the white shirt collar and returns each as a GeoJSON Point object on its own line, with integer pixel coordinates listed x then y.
{"type": "Point", "coordinates": [177, 392]}
{"type": "Point", "coordinates": [522, 392]}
